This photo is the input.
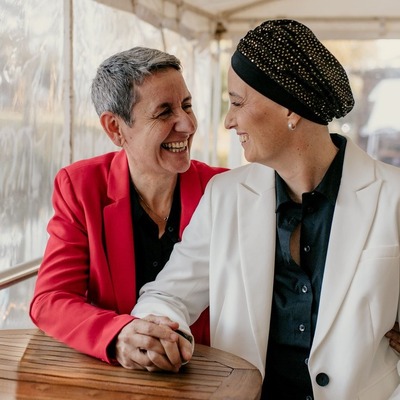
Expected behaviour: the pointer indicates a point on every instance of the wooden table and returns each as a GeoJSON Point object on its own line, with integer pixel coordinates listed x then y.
{"type": "Point", "coordinates": [36, 367]}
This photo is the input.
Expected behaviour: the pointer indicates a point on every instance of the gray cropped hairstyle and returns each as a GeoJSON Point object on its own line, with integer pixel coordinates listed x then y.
{"type": "Point", "coordinates": [114, 86]}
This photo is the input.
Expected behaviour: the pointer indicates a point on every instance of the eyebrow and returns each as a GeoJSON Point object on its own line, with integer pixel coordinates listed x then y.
{"type": "Point", "coordinates": [167, 104]}
{"type": "Point", "coordinates": [234, 94]}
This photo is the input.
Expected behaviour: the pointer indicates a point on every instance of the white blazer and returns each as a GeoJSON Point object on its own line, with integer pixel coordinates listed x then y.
{"type": "Point", "coordinates": [226, 260]}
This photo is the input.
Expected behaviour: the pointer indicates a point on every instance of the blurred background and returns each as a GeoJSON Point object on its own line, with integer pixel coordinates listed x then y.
{"type": "Point", "coordinates": [49, 53]}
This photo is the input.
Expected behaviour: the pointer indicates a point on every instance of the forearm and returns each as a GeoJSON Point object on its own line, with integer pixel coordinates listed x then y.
{"type": "Point", "coordinates": [80, 325]}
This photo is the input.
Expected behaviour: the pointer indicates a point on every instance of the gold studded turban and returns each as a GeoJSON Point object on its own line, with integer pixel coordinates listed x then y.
{"type": "Point", "coordinates": [284, 61]}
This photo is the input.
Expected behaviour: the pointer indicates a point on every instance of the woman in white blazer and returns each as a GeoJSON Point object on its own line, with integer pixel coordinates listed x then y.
{"type": "Point", "coordinates": [227, 258]}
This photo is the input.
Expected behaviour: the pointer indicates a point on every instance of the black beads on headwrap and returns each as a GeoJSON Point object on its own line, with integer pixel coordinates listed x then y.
{"type": "Point", "coordinates": [284, 61]}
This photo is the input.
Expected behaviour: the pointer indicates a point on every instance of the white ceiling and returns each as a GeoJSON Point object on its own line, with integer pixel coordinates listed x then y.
{"type": "Point", "coordinates": [232, 18]}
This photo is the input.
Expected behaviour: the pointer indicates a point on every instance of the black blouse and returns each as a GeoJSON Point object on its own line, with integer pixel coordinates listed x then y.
{"type": "Point", "coordinates": [152, 252]}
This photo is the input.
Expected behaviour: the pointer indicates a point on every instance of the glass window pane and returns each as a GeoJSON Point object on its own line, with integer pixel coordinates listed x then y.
{"type": "Point", "coordinates": [32, 140]}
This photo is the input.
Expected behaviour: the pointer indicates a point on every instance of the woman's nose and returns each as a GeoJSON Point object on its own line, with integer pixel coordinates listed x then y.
{"type": "Point", "coordinates": [228, 120]}
{"type": "Point", "coordinates": [186, 122]}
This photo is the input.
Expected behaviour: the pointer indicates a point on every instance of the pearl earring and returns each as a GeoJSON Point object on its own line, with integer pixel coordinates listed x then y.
{"type": "Point", "coordinates": [291, 126]}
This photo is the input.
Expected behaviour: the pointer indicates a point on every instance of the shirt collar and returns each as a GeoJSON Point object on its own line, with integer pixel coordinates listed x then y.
{"type": "Point", "coordinates": [329, 185]}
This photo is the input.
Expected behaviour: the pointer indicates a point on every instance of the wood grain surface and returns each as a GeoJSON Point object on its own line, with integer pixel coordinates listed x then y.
{"type": "Point", "coordinates": [36, 367]}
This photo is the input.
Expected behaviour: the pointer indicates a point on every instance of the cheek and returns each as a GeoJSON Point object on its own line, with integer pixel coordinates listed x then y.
{"type": "Point", "coordinates": [261, 115]}
{"type": "Point", "coordinates": [256, 122]}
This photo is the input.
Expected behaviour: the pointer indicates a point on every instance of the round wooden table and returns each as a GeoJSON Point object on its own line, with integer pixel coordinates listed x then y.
{"type": "Point", "coordinates": [35, 366]}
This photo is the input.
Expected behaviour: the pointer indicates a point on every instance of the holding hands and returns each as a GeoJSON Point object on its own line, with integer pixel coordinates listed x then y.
{"type": "Point", "coordinates": [152, 344]}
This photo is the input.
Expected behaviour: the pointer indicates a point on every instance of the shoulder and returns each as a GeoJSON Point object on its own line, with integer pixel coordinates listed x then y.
{"type": "Point", "coordinates": [91, 164]}
{"type": "Point", "coordinates": [90, 177]}
{"type": "Point", "coordinates": [357, 154]}
{"type": "Point", "coordinates": [90, 167]}
{"type": "Point", "coordinates": [202, 168]}
{"type": "Point", "coordinates": [360, 167]}
{"type": "Point", "coordinates": [253, 176]}
{"type": "Point", "coordinates": [242, 173]}
{"type": "Point", "coordinates": [389, 173]}
{"type": "Point", "coordinates": [202, 171]}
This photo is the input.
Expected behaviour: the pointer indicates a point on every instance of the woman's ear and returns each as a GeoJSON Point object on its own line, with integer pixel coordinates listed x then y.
{"type": "Point", "coordinates": [293, 119]}
{"type": "Point", "coordinates": [112, 126]}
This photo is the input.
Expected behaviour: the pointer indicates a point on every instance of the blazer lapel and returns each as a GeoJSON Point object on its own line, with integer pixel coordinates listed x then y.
{"type": "Point", "coordinates": [191, 192]}
{"type": "Point", "coordinates": [256, 229]}
{"type": "Point", "coordinates": [354, 212]}
{"type": "Point", "coordinates": [119, 234]}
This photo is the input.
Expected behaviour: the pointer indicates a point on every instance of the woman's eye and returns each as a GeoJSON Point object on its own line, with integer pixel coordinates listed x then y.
{"type": "Point", "coordinates": [164, 113]}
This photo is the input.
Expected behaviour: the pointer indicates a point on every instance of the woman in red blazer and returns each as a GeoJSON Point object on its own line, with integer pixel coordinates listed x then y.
{"type": "Point", "coordinates": [117, 216]}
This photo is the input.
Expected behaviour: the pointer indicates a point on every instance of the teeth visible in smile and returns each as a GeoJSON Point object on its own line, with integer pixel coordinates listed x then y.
{"type": "Point", "coordinates": [175, 147]}
{"type": "Point", "coordinates": [243, 138]}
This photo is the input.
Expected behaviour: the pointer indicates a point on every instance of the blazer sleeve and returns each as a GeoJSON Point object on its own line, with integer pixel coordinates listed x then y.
{"type": "Point", "coordinates": [181, 289]}
{"type": "Point", "coordinates": [193, 184]}
{"type": "Point", "coordinates": [60, 306]}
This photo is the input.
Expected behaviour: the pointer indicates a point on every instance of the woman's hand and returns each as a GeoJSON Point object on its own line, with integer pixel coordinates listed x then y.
{"type": "Point", "coordinates": [394, 337]}
{"type": "Point", "coordinates": [152, 344]}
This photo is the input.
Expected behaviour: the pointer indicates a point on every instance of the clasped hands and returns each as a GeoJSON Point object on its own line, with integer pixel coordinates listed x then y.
{"type": "Point", "coordinates": [152, 344]}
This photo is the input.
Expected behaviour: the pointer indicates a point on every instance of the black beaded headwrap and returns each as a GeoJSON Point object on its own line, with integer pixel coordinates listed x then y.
{"type": "Point", "coordinates": [284, 61]}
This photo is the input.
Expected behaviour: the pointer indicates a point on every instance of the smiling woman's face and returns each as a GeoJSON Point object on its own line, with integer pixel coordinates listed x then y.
{"type": "Point", "coordinates": [161, 134]}
{"type": "Point", "coordinates": [260, 122]}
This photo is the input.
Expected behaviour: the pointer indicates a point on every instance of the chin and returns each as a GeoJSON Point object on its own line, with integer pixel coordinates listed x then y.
{"type": "Point", "coordinates": [180, 167]}
{"type": "Point", "coordinates": [184, 168]}
{"type": "Point", "coordinates": [249, 158]}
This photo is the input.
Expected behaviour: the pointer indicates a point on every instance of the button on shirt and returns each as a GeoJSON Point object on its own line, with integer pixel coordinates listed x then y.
{"type": "Point", "coordinates": [297, 288]}
{"type": "Point", "coordinates": [152, 252]}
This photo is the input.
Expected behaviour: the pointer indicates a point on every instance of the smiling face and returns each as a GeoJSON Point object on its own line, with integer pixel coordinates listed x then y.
{"type": "Point", "coordinates": [160, 137]}
{"type": "Point", "coordinates": [262, 124]}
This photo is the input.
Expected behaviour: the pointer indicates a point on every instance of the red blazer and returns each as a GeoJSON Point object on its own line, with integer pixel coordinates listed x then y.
{"type": "Point", "coordinates": [85, 288]}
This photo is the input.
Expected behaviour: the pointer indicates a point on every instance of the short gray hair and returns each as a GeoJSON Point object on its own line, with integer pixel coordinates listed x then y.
{"type": "Point", "coordinates": [114, 86]}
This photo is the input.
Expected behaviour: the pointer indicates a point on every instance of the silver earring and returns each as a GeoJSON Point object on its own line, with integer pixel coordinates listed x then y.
{"type": "Point", "coordinates": [291, 126]}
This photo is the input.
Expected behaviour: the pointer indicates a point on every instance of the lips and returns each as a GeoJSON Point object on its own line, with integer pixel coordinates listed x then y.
{"type": "Point", "coordinates": [175, 147]}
